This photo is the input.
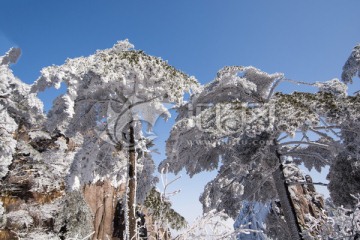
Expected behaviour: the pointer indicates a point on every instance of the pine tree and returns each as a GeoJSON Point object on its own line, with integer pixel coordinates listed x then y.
{"type": "Point", "coordinates": [108, 94]}
{"type": "Point", "coordinates": [240, 123]}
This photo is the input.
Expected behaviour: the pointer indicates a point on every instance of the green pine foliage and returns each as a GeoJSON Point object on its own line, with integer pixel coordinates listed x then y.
{"type": "Point", "coordinates": [160, 209]}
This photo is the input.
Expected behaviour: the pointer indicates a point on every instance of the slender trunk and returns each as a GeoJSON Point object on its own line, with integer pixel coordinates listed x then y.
{"type": "Point", "coordinates": [286, 202]}
{"type": "Point", "coordinates": [132, 186]}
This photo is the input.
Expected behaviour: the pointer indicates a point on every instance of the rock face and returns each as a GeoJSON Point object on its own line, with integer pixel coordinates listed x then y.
{"type": "Point", "coordinates": [35, 203]}
{"type": "Point", "coordinates": [33, 191]}
{"type": "Point", "coordinates": [309, 205]}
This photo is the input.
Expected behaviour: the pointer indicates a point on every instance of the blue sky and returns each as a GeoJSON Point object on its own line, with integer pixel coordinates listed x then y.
{"type": "Point", "coordinates": [307, 40]}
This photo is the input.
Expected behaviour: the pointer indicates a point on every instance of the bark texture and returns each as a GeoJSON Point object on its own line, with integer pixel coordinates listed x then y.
{"type": "Point", "coordinates": [132, 187]}
{"type": "Point", "coordinates": [308, 204]}
{"type": "Point", "coordinates": [102, 199]}
{"type": "Point", "coordinates": [286, 202]}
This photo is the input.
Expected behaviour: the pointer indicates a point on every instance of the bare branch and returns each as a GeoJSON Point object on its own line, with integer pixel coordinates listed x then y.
{"type": "Point", "coordinates": [277, 82]}
{"type": "Point", "coordinates": [306, 183]}
{"type": "Point", "coordinates": [326, 146]}
{"type": "Point", "coordinates": [299, 82]}
{"type": "Point", "coordinates": [326, 124]}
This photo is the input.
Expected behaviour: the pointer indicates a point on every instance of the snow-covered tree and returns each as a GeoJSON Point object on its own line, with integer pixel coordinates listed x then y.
{"type": "Point", "coordinates": [343, 223]}
{"type": "Point", "coordinates": [212, 226]}
{"type": "Point", "coordinates": [33, 165]}
{"type": "Point", "coordinates": [344, 173]}
{"type": "Point", "coordinates": [240, 123]}
{"type": "Point", "coordinates": [108, 94]}
{"type": "Point", "coordinates": [92, 144]}
{"type": "Point", "coordinates": [352, 66]}
{"type": "Point", "coordinates": [162, 214]}
{"type": "Point", "coordinates": [19, 109]}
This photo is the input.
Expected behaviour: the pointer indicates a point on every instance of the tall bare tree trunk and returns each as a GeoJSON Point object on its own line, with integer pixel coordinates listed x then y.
{"type": "Point", "coordinates": [286, 202]}
{"type": "Point", "coordinates": [132, 186]}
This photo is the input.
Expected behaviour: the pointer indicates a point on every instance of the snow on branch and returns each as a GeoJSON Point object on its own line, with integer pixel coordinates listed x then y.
{"type": "Point", "coordinates": [352, 66]}
{"type": "Point", "coordinates": [238, 83]}
{"type": "Point", "coordinates": [211, 226]}
{"type": "Point", "coordinates": [11, 56]}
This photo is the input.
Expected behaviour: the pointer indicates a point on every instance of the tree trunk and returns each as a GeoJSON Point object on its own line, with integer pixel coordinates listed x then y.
{"type": "Point", "coordinates": [132, 186]}
{"type": "Point", "coordinates": [286, 202]}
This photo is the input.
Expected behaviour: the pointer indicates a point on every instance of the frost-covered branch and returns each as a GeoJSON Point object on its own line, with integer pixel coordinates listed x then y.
{"type": "Point", "coordinates": [342, 223]}
{"type": "Point", "coordinates": [5, 95]}
{"type": "Point", "coordinates": [306, 183]}
{"type": "Point", "coordinates": [211, 226]}
{"type": "Point", "coordinates": [164, 179]}
{"type": "Point", "coordinates": [352, 66]}
{"type": "Point", "coordinates": [326, 146]}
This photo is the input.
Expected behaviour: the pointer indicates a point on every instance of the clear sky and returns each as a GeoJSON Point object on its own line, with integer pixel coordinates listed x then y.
{"type": "Point", "coordinates": [307, 40]}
